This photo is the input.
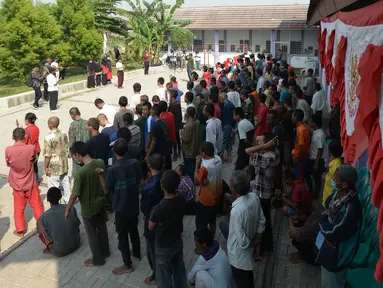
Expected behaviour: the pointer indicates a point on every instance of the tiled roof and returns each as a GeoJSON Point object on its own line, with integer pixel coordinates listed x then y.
{"type": "Point", "coordinates": [245, 17]}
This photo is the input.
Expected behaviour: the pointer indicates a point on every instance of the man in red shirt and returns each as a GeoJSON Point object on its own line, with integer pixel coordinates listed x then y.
{"type": "Point", "coordinates": [32, 133]}
{"type": "Point", "coordinates": [22, 178]}
{"type": "Point", "coordinates": [261, 125]}
{"type": "Point", "coordinates": [168, 118]}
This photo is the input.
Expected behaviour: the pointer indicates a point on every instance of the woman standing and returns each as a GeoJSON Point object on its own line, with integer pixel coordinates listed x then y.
{"type": "Point", "coordinates": [105, 71]}
{"type": "Point", "coordinates": [110, 72]}
{"type": "Point", "coordinates": [91, 74]}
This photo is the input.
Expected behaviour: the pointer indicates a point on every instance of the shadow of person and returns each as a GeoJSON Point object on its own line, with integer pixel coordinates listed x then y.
{"type": "Point", "coordinates": [4, 227]}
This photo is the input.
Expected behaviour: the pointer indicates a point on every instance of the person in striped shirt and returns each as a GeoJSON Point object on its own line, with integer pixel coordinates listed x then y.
{"type": "Point", "coordinates": [134, 129]}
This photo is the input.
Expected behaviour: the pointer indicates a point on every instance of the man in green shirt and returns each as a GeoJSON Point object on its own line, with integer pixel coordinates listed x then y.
{"type": "Point", "coordinates": [190, 65]}
{"type": "Point", "coordinates": [78, 131]}
{"type": "Point", "coordinates": [89, 188]}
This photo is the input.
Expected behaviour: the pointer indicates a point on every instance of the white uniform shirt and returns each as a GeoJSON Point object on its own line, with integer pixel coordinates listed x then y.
{"type": "Point", "coordinates": [234, 98]}
{"type": "Point", "coordinates": [318, 141]}
{"type": "Point", "coordinates": [52, 83]}
{"type": "Point", "coordinates": [246, 220]}
{"type": "Point", "coordinates": [108, 111]}
{"type": "Point", "coordinates": [214, 134]}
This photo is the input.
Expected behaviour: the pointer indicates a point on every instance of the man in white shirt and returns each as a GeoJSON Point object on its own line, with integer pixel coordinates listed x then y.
{"type": "Point", "coordinates": [105, 109]}
{"type": "Point", "coordinates": [245, 229]}
{"type": "Point", "coordinates": [213, 128]}
{"type": "Point", "coordinates": [316, 165]}
{"type": "Point", "coordinates": [302, 104]}
{"type": "Point", "coordinates": [189, 103]}
{"type": "Point", "coordinates": [161, 90]}
{"type": "Point", "coordinates": [197, 59]}
{"type": "Point", "coordinates": [309, 86]}
{"type": "Point", "coordinates": [233, 95]}
{"type": "Point", "coordinates": [53, 89]}
{"type": "Point", "coordinates": [136, 98]}
{"type": "Point", "coordinates": [319, 102]}
{"type": "Point", "coordinates": [246, 133]}
{"type": "Point", "coordinates": [120, 73]}
{"type": "Point", "coordinates": [212, 268]}
{"type": "Point", "coordinates": [261, 81]}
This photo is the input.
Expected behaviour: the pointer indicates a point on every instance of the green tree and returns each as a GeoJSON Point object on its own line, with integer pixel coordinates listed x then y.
{"type": "Point", "coordinates": [29, 35]}
{"type": "Point", "coordinates": [181, 38]}
{"type": "Point", "coordinates": [77, 22]}
{"type": "Point", "coordinates": [106, 18]}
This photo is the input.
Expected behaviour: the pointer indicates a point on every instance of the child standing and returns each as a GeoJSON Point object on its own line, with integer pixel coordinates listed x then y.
{"type": "Point", "coordinates": [123, 180]}
{"type": "Point", "coordinates": [166, 220]}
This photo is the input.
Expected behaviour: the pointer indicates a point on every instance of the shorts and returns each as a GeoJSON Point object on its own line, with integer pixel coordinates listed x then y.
{"type": "Point", "coordinates": [205, 215]}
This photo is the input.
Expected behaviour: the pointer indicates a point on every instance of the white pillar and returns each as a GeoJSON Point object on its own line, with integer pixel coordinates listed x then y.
{"type": "Point", "coordinates": [216, 47]}
{"type": "Point", "coordinates": [272, 43]}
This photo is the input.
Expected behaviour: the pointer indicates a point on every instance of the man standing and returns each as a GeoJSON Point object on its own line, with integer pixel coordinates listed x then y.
{"type": "Point", "coordinates": [37, 79]}
{"type": "Point", "coordinates": [190, 141]}
{"type": "Point", "coordinates": [120, 73]}
{"type": "Point", "coordinates": [265, 170]}
{"type": "Point", "coordinates": [245, 231]}
{"type": "Point", "coordinates": [190, 65]}
{"type": "Point", "coordinates": [160, 142]}
{"type": "Point", "coordinates": [146, 62]}
{"type": "Point", "coordinates": [175, 109]}
{"type": "Point", "coordinates": [136, 98]}
{"type": "Point", "coordinates": [302, 145]}
{"type": "Point", "coordinates": [105, 109]}
{"type": "Point", "coordinates": [213, 128]}
{"type": "Point", "coordinates": [246, 134]}
{"type": "Point", "coordinates": [309, 86]}
{"type": "Point", "coordinates": [89, 189]}
{"type": "Point", "coordinates": [134, 130]}
{"type": "Point", "coordinates": [22, 178]}
{"type": "Point", "coordinates": [60, 236]}
{"type": "Point", "coordinates": [189, 103]}
{"type": "Point", "coordinates": [56, 151]}
{"type": "Point", "coordinates": [233, 95]}
{"type": "Point", "coordinates": [98, 145]}
{"type": "Point", "coordinates": [107, 128]}
{"type": "Point", "coordinates": [45, 69]}
{"type": "Point", "coordinates": [200, 102]}
{"type": "Point", "coordinates": [78, 131]}
{"type": "Point", "coordinates": [123, 181]}
{"type": "Point", "coordinates": [228, 124]}
{"type": "Point", "coordinates": [118, 120]}
{"type": "Point", "coordinates": [53, 89]}
{"type": "Point", "coordinates": [301, 104]}
{"type": "Point", "coordinates": [151, 195]}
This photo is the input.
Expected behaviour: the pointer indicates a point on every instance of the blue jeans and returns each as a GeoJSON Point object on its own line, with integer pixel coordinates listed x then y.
{"type": "Point", "coordinates": [198, 64]}
{"type": "Point", "coordinates": [189, 167]}
{"type": "Point", "coordinates": [333, 279]}
{"type": "Point", "coordinates": [227, 144]}
{"type": "Point", "coordinates": [190, 70]}
{"type": "Point", "coordinates": [224, 227]}
{"type": "Point", "coordinates": [170, 267]}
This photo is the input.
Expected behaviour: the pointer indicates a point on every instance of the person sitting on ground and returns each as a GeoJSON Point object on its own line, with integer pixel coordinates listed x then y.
{"type": "Point", "coordinates": [212, 268]}
{"type": "Point", "coordinates": [339, 225]}
{"type": "Point", "coordinates": [303, 237]}
{"type": "Point", "coordinates": [299, 194]}
{"type": "Point", "coordinates": [187, 190]}
{"type": "Point", "coordinates": [61, 236]}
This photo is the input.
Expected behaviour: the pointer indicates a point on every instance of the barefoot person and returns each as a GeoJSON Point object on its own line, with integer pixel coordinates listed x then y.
{"type": "Point", "coordinates": [123, 181]}
{"type": "Point", "coordinates": [90, 191]}
{"type": "Point", "coordinates": [60, 236]}
{"type": "Point", "coordinates": [22, 178]}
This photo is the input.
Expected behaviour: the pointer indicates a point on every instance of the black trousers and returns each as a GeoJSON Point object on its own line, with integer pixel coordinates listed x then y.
{"type": "Point", "coordinates": [243, 278]}
{"type": "Point", "coordinates": [95, 227]}
{"type": "Point", "coordinates": [168, 163]}
{"type": "Point", "coordinates": [53, 98]}
{"type": "Point", "coordinates": [36, 166]}
{"type": "Point", "coordinates": [146, 67]}
{"type": "Point", "coordinates": [38, 95]}
{"type": "Point", "coordinates": [98, 80]}
{"type": "Point", "coordinates": [151, 254]}
{"type": "Point", "coordinates": [46, 94]}
{"type": "Point", "coordinates": [267, 236]}
{"type": "Point", "coordinates": [91, 81]}
{"type": "Point", "coordinates": [307, 250]}
{"type": "Point", "coordinates": [125, 227]}
{"type": "Point", "coordinates": [242, 157]}
{"type": "Point", "coordinates": [104, 79]}
{"type": "Point", "coordinates": [177, 144]}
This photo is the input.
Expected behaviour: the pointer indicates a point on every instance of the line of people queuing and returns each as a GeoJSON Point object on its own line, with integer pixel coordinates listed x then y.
{"type": "Point", "coordinates": [132, 158]}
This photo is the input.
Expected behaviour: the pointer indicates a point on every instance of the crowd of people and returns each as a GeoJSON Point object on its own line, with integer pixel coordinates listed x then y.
{"type": "Point", "coordinates": [286, 139]}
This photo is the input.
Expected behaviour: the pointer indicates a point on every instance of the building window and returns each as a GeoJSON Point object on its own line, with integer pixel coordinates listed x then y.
{"type": "Point", "coordinates": [241, 42]}
{"type": "Point", "coordinates": [295, 47]}
{"type": "Point", "coordinates": [257, 48]}
{"type": "Point", "coordinates": [232, 48]}
{"type": "Point", "coordinates": [221, 48]}
{"type": "Point", "coordinates": [268, 46]}
{"type": "Point", "coordinates": [197, 45]}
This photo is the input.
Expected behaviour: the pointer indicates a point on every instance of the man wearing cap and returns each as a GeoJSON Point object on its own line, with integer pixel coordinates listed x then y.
{"type": "Point", "coordinates": [339, 225]}
{"type": "Point", "coordinates": [60, 236]}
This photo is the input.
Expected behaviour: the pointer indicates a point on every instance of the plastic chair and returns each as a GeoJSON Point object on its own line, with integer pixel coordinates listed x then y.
{"type": "Point", "coordinates": [361, 258]}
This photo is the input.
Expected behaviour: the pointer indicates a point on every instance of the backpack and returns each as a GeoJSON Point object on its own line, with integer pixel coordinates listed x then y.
{"type": "Point", "coordinates": [29, 81]}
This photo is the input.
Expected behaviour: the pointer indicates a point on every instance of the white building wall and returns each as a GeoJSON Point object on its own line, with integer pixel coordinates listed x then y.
{"type": "Point", "coordinates": [311, 39]}
{"type": "Point", "coordinates": [235, 36]}
{"type": "Point", "coordinates": [259, 38]}
{"type": "Point", "coordinates": [296, 35]}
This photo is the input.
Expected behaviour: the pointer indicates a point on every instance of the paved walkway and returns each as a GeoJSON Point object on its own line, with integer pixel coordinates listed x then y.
{"type": "Point", "coordinates": [27, 266]}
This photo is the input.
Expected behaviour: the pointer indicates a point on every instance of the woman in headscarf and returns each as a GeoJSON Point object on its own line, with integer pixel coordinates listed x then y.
{"type": "Point", "coordinates": [91, 69]}
{"type": "Point", "coordinates": [98, 73]}
{"type": "Point", "coordinates": [339, 226]}
{"type": "Point", "coordinates": [105, 71]}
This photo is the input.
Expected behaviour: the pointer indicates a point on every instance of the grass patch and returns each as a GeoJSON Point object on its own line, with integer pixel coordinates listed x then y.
{"type": "Point", "coordinates": [73, 74]}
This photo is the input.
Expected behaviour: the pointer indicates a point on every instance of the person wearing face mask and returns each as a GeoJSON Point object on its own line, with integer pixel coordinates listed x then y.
{"type": "Point", "coordinates": [339, 225]}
